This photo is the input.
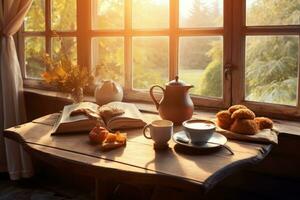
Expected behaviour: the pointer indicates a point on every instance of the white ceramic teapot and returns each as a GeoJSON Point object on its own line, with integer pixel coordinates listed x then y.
{"type": "Point", "coordinates": [108, 91]}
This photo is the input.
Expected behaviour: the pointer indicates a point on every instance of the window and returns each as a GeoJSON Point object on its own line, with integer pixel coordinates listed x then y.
{"type": "Point", "coordinates": [49, 27]}
{"type": "Point", "coordinates": [266, 55]}
{"type": "Point", "coordinates": [243, 51]}
{"type": "Point", "coordinates": [141, 43]}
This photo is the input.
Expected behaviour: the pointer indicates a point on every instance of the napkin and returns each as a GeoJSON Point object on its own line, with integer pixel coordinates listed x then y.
{"type": "Point", "coordinates": [263, 136]}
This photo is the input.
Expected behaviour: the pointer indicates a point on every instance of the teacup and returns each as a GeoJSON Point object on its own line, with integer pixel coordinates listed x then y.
{"type": "Point", "coordinates": [160, 132]}
{"type": "Point", "coordinates": [199, 130]}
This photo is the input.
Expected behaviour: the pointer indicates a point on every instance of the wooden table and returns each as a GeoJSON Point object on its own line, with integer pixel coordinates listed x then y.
{"type": "Point", "coordinates": [137, 162]}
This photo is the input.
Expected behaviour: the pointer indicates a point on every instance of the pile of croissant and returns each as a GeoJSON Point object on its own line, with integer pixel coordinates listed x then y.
{"type": "Point", "coordinates": [240, 119]}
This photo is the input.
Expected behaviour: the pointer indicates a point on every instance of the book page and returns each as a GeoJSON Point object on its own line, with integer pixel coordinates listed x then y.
{"type": "Point", "coordinates": [131, 118]}
{"type": "Point", "coordinates": [66, 115]}
{"type": "Point", "coordinates": [80, 122]}
{"type": "Point", "coordinates": [130, 110]}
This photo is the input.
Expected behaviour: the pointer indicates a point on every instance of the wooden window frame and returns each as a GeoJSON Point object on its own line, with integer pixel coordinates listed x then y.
{"type": "Point", "coordinates": [174, 32]}
{"type": "Point", "coordinates": [240, 31]}
{"type": "Point", "coordinates": [48, 34]}
{"type": "Point", "coordinates": [234, 32]}
{"type": "Point", "coordinates": [85, 33]}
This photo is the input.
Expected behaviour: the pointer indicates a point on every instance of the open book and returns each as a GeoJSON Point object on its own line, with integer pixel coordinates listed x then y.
{"type": "Point", "coordinates": [73, 119]}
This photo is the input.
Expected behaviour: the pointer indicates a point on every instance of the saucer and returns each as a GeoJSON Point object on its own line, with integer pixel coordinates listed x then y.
{"type": "Point", "coordinates": [215, 141]}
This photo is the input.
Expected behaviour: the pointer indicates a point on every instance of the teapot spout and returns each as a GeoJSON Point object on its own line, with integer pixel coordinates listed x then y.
{"type": "Point", "coordinates": [188, 87]}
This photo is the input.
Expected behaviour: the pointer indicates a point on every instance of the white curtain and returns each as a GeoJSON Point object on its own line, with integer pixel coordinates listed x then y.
{"type": "Point", "coordinates": [12, 13]}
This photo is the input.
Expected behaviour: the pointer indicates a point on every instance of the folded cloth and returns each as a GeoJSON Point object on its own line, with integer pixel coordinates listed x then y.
{"type": "Point", "coordinates": [263, 136]}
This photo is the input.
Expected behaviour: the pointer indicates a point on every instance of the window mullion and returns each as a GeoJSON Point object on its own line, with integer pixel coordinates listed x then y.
{"type": "Point", "coordinates": [173, 39]}
{"type": "Point", "coordinates": [128, 46]}
{"type": "Point", "coordinates": [48, 26]}
{"type": "Point", "coordinates": [227, 55]}
{"type": "Point", "coordinates": [83, 33]}
{"type": "Point", "coordinates": [238, 40]}
{"type": "Point", "coordinates": [21, 52]}
{"type": "Point", "coordinates": [273, 30]}
{"type": "Point", "coordinates": [201, 32]}
{"type": "Point", "coordinates": [298, 95]}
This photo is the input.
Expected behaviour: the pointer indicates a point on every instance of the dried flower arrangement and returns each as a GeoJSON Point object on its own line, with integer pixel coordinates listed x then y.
{"type": "Point", "coordinates": [65, 75]}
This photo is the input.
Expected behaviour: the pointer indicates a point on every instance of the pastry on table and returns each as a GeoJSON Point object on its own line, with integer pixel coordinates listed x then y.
{"type": "Point", "coordinates": [98, 134]}
{"type": "Point", "coordinates": [107, 140]}
{"type": "Point", "coordinates": [239, 119]}
{"type": "Point", "coordinates": [231, 109]}
{"type": "Point", "coordinates": [224, 119]}
{"type": "Point", "coordinates": [113, 141]}
{"type": "Point", "coordinates": [244, 126]}
{"type": "Point", "coordinates": [243, 113]}
{"type": "Point", "coordinates": [110, 138]}
{"type": "Point", "coordinates": [264, 123]}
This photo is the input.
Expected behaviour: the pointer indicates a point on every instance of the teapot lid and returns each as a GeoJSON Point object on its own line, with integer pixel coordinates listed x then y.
{"type": "Point", "coordinates": [177, 82]}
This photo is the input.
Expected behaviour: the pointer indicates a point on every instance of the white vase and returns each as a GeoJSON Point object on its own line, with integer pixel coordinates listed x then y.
{"type": "Point", "coordinates": [108, 91]}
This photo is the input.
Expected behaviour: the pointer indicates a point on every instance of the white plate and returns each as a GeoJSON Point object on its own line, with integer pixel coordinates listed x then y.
{"type": "Point", "coordinates": [216, 140]}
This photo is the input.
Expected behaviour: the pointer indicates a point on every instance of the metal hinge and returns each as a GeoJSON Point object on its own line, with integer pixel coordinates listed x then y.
{"type": "Point", "coordinates": [227, 71]}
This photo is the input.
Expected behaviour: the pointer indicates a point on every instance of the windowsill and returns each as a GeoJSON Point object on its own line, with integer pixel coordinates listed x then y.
{"type": "Point", "coordinates": [144, 106]}
{"type": "Point", "coordinates": [284, 126]}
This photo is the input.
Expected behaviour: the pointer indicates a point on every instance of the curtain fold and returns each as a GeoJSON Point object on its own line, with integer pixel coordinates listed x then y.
{"type": "Point", "coordinates": [11, 89]}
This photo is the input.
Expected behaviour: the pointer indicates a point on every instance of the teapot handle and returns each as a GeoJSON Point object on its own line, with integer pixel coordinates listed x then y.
{"type": "Point", "coordinates": [152, 96]}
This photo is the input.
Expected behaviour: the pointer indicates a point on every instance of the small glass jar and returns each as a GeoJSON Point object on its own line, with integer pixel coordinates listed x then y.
{"type": "Point", "coordinates": [77, 95]}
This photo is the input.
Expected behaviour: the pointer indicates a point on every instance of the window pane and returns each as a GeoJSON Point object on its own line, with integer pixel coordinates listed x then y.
{"type": "Point", "coordinates": [64, 46]}
{"type": "Point", "coordinates": [108, 14]}
{"type": "Point", "coordinates": [273, 12]}
{"type": "Point", "coordinates": [200, 13]}
{"type": "Point", "coordinates": [63, 15]}
{"type": "Point", "coordinates": [200, 64]}
{"type": "Point", "coordinates": [34, 52]}
{"type": "Point", "coordinates": [150, 14]}
{"type": "Point", "coordinates": [108, 58]}
{"type": "Point", "coordinates": [272, 68]}
{"type": "Point", "coordinates": [150, 61]}
{"type": "Point", "coordinates": [35, 18]}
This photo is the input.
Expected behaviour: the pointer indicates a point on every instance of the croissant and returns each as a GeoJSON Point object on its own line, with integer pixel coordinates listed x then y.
{"type": "Point", "coordinates": [224, 119]}
{"type": "Point", "coordinates": [244, 126]}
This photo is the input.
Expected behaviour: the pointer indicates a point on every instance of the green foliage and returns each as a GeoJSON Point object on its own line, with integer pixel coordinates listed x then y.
{"type": "Point", "coordinates": [63, 15]}
{"type": "Point", "coordinates": [64, 46]}
{"type": "Point", "coordinates": [34, 51]}
{"type": "Point", "coordinates": [63, 18]}
{"type": "Point", "coordinates": [193, 52]}
{"type": "Point", "coordinates": [108, 55]}
{"type": "Point", "coordinates": [35, 19]}
{"type": "Point", "coordinates": [149, 14]}
{"type": "Point", "coordinates": [199, 63]}
{"type": "Point", "coordinates": [274, 12]}
{"type": "Point", "coordinates": [150, 61]}
{"type": "Point", "coordinates": [271, 61]}
{"type": "Point", "coordinates": [210, 82]}
{"type": "Point", "coordinates": [150, 54]}
{"type": "Point", "coordinates": [204, 14]}
{"type": "Point", "coordinates": [270, 70]}
{"type": "Point", "coordinates": [109, 14]}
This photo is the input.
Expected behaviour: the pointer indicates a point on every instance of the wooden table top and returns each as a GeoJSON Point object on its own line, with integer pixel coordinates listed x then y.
{"type": "Point", "coordinates": [137, 162]}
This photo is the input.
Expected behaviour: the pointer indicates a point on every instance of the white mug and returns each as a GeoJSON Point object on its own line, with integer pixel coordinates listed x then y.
{"type": "Point", "coordinates": [160, 131]}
